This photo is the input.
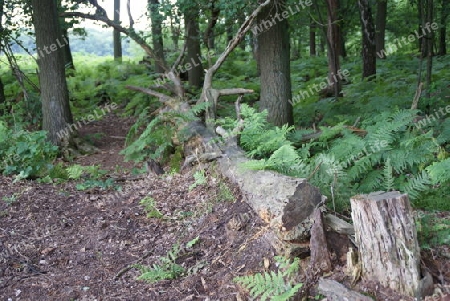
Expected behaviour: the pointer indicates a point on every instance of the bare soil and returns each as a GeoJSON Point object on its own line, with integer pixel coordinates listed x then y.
{"type": "Point", "coordinates": [60, 243]}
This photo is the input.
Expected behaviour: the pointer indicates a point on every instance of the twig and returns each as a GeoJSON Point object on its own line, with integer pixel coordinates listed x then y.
{"type": "Point", "coordinates": [417, 97]}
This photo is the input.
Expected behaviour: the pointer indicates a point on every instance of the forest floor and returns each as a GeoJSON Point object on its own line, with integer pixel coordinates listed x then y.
{"type": "Point", "coordinates": [60, 243]}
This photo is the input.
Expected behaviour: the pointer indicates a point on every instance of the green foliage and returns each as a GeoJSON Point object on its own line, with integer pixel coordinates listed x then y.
{"type": "Point", "coordinates": [166, 269]}
{"type": "Point", "coordinates": [200, 179]}
{"type": "Point", "coordinates": [75, 171]}
{"type": "Point", "coordinates": [432, 230]}
{"type": "Point", "coordinates": [25, 154]}
{"type": "Point", "coordinates": [393, 155]}
{"type": "Point", "coordinates": [275, 286]}
{"type": "Point", "coordinates": [155, 142]}
{"type": "Point", "coordinates": [150, 207]}
{"type": "Point", "coordinates": [259, 138]}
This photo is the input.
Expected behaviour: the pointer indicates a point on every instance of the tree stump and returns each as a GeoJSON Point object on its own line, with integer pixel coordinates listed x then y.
{"type": "Point", "coordinates": [387, 241]}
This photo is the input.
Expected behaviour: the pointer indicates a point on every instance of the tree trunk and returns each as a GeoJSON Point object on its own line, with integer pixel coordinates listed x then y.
{"type": "Point", "coordinates": [275, 67]}
{"type": "Point", "coordinates": [312, 38]}
{"type": "Point", "coordinates": [68, 58]}
{"type": "Point", "coordinates": [175, 31]}
{"type": "Point", "coordinates": [54, 93]}
{"type": "Point", "coordinates": [157, 36]}
{"type": "Point", "coordinates": [386, 238]}
{"type": "Point", "coordinates": [193, 62]}
{"type": "Point", "coordinates": [285, 203]}
{"type": "Point", "coordinates": [2, 88]}
{"type": "Point", "coordinates": [333, 46]}
{"type": "Point", "coordinates": [381, 27]}
{"type": "Point", "coordinates": [368, 39]}
{"type": "Point", "coordinates": [116, 34]}
{"type": "Point", "coordinates": [208, 38]}
{"type": "Point", "coordinates": [443, 29]}
{"type": "Point", "coordinates": [429, 39]}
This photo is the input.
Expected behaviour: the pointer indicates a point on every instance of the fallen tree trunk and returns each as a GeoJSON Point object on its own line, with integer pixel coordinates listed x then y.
{"type": "Point", "coordinates": [287, 204]}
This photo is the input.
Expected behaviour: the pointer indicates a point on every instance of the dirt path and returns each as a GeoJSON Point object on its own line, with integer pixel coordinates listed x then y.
{"type": "Point", "coordinates": [58, 243]}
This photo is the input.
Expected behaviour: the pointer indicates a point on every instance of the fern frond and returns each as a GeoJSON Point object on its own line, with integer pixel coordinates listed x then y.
{"type": "Point", "coordinates": [417, 184]}
{"type": "Point", "coordinates": [439, 172]}
{"type": "Point", "coordinates": [75, 171]}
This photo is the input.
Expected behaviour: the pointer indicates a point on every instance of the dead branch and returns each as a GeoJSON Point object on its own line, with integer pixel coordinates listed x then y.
{"type": "Point", "coordinates": [245, 27]}
{"type": "Point", "coordinates": [162, 97]}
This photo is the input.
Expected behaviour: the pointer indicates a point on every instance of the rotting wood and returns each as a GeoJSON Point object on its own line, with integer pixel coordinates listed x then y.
{"type": "Point", "coordinates": [287, 204]}
{"type": "Point", "coordinates": [386, 238]}
{"type": "Point", "coordinates": [320, 255]}
{"type": "Point", "coordinates": [212, 96]}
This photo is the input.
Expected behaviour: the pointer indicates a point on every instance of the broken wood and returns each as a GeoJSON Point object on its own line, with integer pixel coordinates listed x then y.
{"type": "Point", "coordinates": [320, 254]}
{"type": "Point", "coordinates": [287, 204]}
{"type": "Point", "coordinates": [334, 291]}
{"type": "Point", "coordinates": [162, 97]}
{"type": "Point", "coordinates": [212, 96]}
{"type": "Point", "coordinates": [386, 238]}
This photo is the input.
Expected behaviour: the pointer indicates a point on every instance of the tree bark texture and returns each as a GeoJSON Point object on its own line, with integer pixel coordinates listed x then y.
{"type": "Point", "coordinates": [386, 238]}
{"type": "Point", "coordinates": [54, 93]}
{"type": "Point", "coordinates": [274, 60]}
{"type": "Point", "coordinates": [368, 39]}
{"type": "Point", "coordinates": [116, 34]}
{"type": "Point", "coordinates": [157, 35]}
{"type": "Point", "coordinates": [193, 56]}
{"type": "Point", "coordinates": [381, 27]}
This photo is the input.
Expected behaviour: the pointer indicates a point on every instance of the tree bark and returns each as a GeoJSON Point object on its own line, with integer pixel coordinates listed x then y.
{"type": "Point", "coordinates": [2, 88]}
{"type": "Point", "coordinates": [333, 46]}
{"type": "Point", "coordinates": [368, 39]}
{"type": "Point", "coordinates": [443, 29]}
{"type": "Point", "coordinates": [381, 28]}
{"type": "Point", "coordinates": [175, 34]}
{"type": "Point", "coordinates": [68, 58]}
{"type": "Point", "coordinates": [312, 38]}
{"type": "Point", "coordinates": [386, 238]}
{"type": "Point", "coordinates": [54, 93]}
{"type": "Point", "coordinates": [208, 37]}
{"type": "Point", "coordinates": [157, 37]}
{"type": "Point", "coordinates": [117, 41]}
{"type": "Point", "coordinates": [287, 204]}
{"type": "Point", "coordinates": [193, 62]}
{"type": "Point", "coordinates": [275, 66]}
{"type": "Point", "coordinates": [429, 39]}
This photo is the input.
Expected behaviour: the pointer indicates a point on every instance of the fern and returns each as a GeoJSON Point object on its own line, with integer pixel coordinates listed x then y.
{"type": "Point", "coordinates": [166, 269]}
{"type": "Point", "coordinates": [439, 171]}
{"type": "Point", "coordinates": [75, 171]}
{"type": "Point", "coordinates": [417, 184]}
{"type": "Point", "coordinates": [274, 285]}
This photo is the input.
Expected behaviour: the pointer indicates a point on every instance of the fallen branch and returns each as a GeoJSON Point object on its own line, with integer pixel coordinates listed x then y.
{"type": "Point", "coordinates": [162, 97]}
{"type": "Point", "coordinates": [213, 98]}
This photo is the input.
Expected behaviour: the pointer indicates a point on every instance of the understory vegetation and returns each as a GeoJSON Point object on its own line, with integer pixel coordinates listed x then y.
{"type": "Point", "coordinates": [380, 143]}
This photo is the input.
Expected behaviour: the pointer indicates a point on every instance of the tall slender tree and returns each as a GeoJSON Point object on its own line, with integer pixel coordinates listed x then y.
{"type": "Point", "coordinates": [117, 41]}
{"type": "Point", "coordinates": [445, 11]}
{"type": "Point", "coordinates": [381, 27]}
{"type": "Point", "coordinates": [368, 39]}
{"type": "Point", "coordinates": [193, 62]}
{"type": "Point", "coordinates": [157, 35]}
{"type": "Point", "coordinates": [2, 88]}
{"type": "Point", "coordinates": [54, 93]}
{"type": "Point", "coordinates": [274, 60]}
